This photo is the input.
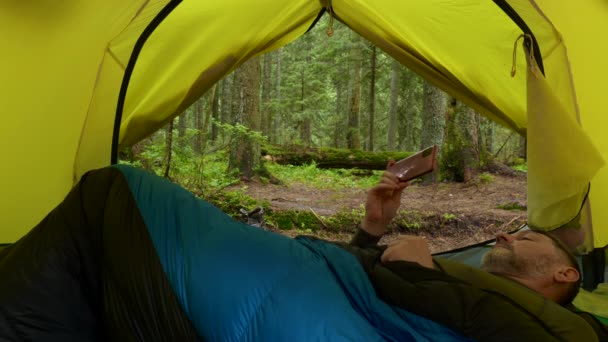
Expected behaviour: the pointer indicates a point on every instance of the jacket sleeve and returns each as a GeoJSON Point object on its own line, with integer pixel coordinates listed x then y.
{"type": "Point", "coordinates": [454, 303]}
{"type": "Point", "coordinates": [363, 239]}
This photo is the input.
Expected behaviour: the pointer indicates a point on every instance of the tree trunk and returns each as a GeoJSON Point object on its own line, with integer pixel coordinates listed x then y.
{"type": "Point", "coordinates": [328, 158]}
{"type": "Point", "coordinates": [245, 153]}
{"type": "Point", "coordinates": [198, 115]}
{"type": "Point", "coordinates": [353, 140]}
{"type": "Point", "coordinates": [266, 89]}
{"type": "Point", "coordinates": [215, 110]}
{"type": "Point", "coordinates": [276, 113]}
{"type": "Point", "coordinates": [392, 113]}
{"type": "Point", "coordinates": [236, 108]}
{"type": "Point", "coordinates": [169, 143]}
{"type": "Point", "coordinates": [372, 100]}
{"type": "Point", "coordinates": [338, 126]}
{"type": "Point", "coordinates": [181, 129]}
{"type": "Point", "coordinates": [305, 134]}
{"type": "Point", "coordinates": [459, 158]}
{"type": "Point", "coordinates": [523, 148]}
{"type": "Point", "coordinates": [490, 129]}
{"type": "Point", "coordinates": [136, 151]}
{"type": "Point", "coordinates": [225, 102]}
{"type": "Point", "coordinates": [470, 141]}
{"type": "Point", "coordinates": [411, 98]}
{"type": "Point", "coordinates": [433, 122]}
{"type": "Point", "coordinates": [212, 99]}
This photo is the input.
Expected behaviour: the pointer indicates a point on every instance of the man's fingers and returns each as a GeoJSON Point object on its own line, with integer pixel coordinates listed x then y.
{"type": "Point", "coordinates": [388, 183]}
{"type": "Point", "coordinates": [389, 177]}
{"type": "Point", "coordinates": [393, 243]}
{"type": "Point", "coordinates": [384, 187]}
{"type": "Point", "coordinates": [386, 255]}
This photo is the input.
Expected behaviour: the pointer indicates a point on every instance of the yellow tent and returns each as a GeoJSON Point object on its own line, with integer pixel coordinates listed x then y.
{"type": "Point", "coordinates": [80, 79]}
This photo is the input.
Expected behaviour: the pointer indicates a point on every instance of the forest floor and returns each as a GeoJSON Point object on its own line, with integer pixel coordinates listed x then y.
{"type": "Point", "coordinates": [449, 215]}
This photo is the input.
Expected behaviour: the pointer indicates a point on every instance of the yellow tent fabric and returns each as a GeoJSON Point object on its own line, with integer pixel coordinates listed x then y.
{"type": "Point", "coordinates": [48, 66]}
{"type": "Point", "coordinates": [173, 71]}
{"type": "Point", "coordinates": [595, 301]}
{"type": "Point", "coordinates": [66, 64]}
{"type": "Point", "coordinates": [587, 56]}
{"type": "Point", "coordinates": [479, 73]}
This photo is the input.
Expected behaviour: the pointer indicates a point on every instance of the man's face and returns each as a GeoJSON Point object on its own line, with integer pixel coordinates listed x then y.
{"type": "Point", "coordinates": [524, 254]}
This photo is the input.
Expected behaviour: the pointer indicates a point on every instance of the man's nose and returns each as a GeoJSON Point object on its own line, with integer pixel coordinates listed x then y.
{"type": "Point", "coordinates": [504, 237]}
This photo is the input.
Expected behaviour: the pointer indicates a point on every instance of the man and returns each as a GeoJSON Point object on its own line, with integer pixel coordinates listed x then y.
{"type": "Point", "coordinates": [522, 290]}
{"type": "Point", "coordinates": [533, 259]}
{"type": "Point", "coordinates": [131, 256]}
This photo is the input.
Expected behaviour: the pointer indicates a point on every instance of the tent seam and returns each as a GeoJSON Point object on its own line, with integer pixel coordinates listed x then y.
{"type": "Point", "coordinates": [95, 85]}
{"type": "Point", "coordinates": [86, 120]}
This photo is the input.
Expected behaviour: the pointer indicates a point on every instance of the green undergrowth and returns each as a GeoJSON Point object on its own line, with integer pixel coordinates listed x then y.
{"type": "Point", "coordinates": [512, 206]}
{"type": "Point", "coordinates": [334, 179]}
{"type": "Point", "coordinates": [207, 178]}
{"type": "Point", "coordinates": [308, 221]}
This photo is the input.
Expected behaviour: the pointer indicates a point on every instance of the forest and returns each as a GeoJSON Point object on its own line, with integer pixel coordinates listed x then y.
{"type": "Point", "coordinates": [302, 131]}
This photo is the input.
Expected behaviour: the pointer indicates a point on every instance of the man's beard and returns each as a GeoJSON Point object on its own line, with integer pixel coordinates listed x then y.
{"type": "Point", "coordinates": [505, 261]}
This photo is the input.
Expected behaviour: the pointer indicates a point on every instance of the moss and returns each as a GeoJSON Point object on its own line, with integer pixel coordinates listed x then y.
{"type": "Point", "coordinates": [290, 219]}
{"type": "Point", "coordinates": [344, 221]}
{"type": "Point", "coordinates": [485, 178]}
{"type": "Point", "coordinates": [283, 219]}
{"type": "Point", "coordinates": [326, 156]}
{"type": "Point", "coordinates": [512, 206]}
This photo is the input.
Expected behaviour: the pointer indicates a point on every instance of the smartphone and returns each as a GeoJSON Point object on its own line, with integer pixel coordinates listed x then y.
{"type": "Point", "coordinates": [416, 165]}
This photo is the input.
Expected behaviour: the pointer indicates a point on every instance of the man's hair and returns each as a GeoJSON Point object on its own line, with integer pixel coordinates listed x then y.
{"type": "Point", "coordinates": [573, 288]}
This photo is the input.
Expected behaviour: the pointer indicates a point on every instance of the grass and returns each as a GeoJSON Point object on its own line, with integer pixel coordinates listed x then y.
{"type": "Point", "coordinates": [207, 178]}
{"type": "Point", "coordinates": [334, 179]}
{"type": "Point", "coordinates": [485, 178]}
{"type": "Point", "coordinates": [512, 206]}
{"type": "Point", "coordinates": [521, 167]}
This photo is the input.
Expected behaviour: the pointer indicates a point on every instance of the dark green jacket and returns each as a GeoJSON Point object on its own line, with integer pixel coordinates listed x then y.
{"type": "Point", "coordinates": [468, 300]}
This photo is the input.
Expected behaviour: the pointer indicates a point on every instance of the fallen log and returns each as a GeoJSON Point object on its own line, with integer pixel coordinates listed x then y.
{"type": "Point", "coordinates": [330, 158]}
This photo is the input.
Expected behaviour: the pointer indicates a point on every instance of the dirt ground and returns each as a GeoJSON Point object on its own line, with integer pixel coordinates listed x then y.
{"type": "Point", "coordinates": [449, 215]}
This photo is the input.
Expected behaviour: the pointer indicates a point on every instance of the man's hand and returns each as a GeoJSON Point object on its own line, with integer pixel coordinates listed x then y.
{"type": "Point", "coordinates": [409, 248]}
{"type": "Point", "coordinates": [382, 203]}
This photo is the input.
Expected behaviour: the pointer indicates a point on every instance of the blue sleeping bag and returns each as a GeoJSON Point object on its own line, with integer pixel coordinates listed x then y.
{"type": "Point", "coordinates": [241, 283]}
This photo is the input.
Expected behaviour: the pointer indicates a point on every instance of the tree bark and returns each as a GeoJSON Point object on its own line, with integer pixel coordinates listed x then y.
{"type": "Point", "coordinates": [245, 150]}
{"type": "Point", "coordinates": [409, 109]}
{"type": "Point", "coordinates": [169, 143]}
{"type": "Point", "coordinates": [353, 140]}
{"type": "Point", "coordinates": [136, 151]}
{"type": "Point", "coordinates": [198, 115]}
{"type": "Point", "coordinates": [327, 158]}
{"type": "Point", "coordinates": [236, 107]}
{"type": "Point", "coordinates": [433, 122]}
{"type": "Point", "coordinates": [266, 95]}
{"type": "Point", "coordinates": [305, 134]}
{"type": "Point", "coordinates": [523, 148]}
{"type": "Point", "coordinates": [276, 113]}
{"type": "Point", "coordinates": [490, 130]}
{"type": "Point", "coordinates": [391, 143]}
{"type": "Point", "coordinates": [226, 101]}
{"type": "Point", "coordinates": [215, 110]}
{"type": "Point", "coordinates": [182, 123]}
{"type": "Point", "coordinates": [212, 99]}
{"type": "Point", "coordinates": [372, 100]}
{"type": "Point", "coordinates": [337, 124]}
{"type": "Point", "coordinates": [465, 121]}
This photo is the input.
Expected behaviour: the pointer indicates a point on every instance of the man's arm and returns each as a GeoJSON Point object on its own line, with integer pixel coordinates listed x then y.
{"type": "Point", "coordinates": [364, 239]}
{"type": "Point", "coordinates": [383, 201]}
{"type": "Point", "coordinates": [410, 249]}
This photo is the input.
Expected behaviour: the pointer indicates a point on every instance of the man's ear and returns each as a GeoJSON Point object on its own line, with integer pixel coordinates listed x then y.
{"type": "Point", "coordinates": [566, 274]}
